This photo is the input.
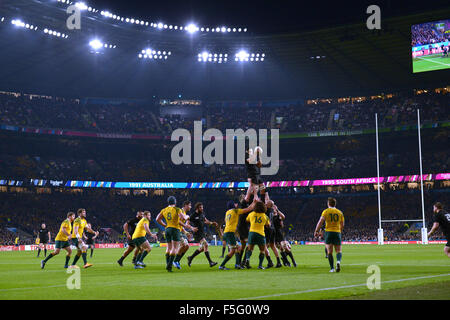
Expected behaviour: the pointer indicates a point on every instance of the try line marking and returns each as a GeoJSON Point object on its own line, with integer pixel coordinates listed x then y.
{"type": "Point", "coordinates": [341, 287]}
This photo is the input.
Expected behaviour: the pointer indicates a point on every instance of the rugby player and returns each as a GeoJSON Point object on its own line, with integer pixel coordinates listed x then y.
{"type": "Point", "coordinates": [442, 220]}
{"type": "Point", "coordinates": [231, 221]}
{"type": "Point", "coordinates": [253, 165]}
{"type": "Point", "coordinates": [224, 243]}
{"type": "Point", "coordinates": [79, 224]}
{"type": "Point", "coordinates": [270, 233]}
{"type": "Point", "coordinates": [62, 240]}
{"type": "Point", "coordinates": [90, 236]}
{"type": "Point", "coordinates": [258, 219]}
{"type": "Point", "coordinates": [174, 218]}
{"type": "Point", "coordinates": [198, 220]}
{"type": "Point", "coordinates": [44, 237]}
{"type": "Point", "coordinates": [139, 240]}
{"type": "Point", "coordinates": [334, 224]}
{"type": "Point", "coordinates": [129, 228]}
{"type": "Point", "coordinates": [280, 239]}
{"type": "Point", "coordinates": [243, 227]}
{"type": "Point", "coordinates": [184, 243]}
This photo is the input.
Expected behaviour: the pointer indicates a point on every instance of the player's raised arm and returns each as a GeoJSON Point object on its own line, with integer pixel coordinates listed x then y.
{"type": "Point", "coordinates": [249, 208]}
{"type": "Point", "coordinates": [49, 237]}
{"type": "Point", "coordinates": [281, 214]}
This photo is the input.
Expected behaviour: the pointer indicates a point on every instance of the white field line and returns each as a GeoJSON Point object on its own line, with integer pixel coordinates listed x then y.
{"type": "Point", "coordinates": [341, 287]}
{"type": "Point", "coordinates": [445, 64]}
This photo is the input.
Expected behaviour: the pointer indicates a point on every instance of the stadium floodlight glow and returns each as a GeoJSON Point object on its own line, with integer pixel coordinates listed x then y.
{"type": "Point", "coordinates": [81, 5]}
{"type": "Point", "coordinates": [191, 28]}
{"type": "Point", "coordinates": [223, 29]}
{"type": "Point", "coordinates": [96, 44]}
{"type": "Point", "coordinates": [160, 25]}
{"type": "Point", "coordinates": [242, 55]}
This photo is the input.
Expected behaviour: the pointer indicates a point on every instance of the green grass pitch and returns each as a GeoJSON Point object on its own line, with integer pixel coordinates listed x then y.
{"type": "Point", "coordinates": [430, 63]}
{"type": "Point", "coordinates": [407, 272]}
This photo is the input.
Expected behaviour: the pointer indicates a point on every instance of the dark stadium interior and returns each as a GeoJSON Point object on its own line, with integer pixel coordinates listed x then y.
{"type": "Point", "coordinates": [68, 114]}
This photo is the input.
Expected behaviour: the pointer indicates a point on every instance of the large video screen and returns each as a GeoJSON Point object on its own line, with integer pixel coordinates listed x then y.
{"type": "Point", "coordinates": [430, 44]}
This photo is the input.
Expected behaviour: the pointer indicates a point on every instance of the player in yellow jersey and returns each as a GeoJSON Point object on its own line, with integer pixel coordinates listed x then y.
{"type": "Point", "coordinates": [231, 222]}
{"type": "Point", "coordinates": [79, 225]}
{"type": "Point", "coordinates": [257, 219]}
{"type": "Point", "coordinates": [184, 243]}
{"type": "Point", "coordinates": [334, 223]}
{"type": "Point", "coordinates": [62, 240]}
{"type": "Point", "coordinates": [174, 218]}
{"type": "Point", "coordinates": [139, 240]}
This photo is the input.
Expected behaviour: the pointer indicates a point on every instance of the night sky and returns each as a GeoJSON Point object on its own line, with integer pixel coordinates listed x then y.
{"type": "Point", "coordinates": [262, 16]}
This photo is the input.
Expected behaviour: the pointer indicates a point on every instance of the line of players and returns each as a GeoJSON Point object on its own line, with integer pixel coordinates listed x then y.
{"type": "Point", "coordinates": [71, 235]}
{"type": "Point", "coordinates": [263, 225]}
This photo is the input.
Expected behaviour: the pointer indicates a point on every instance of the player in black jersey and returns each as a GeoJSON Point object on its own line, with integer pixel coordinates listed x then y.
{"type": "Point", "coordinates": [44, 238]}
{"type": "Point", "coordinates": [129, 228]}
{"type": "Point", "coordinates": [442, 220]}
{"type": "Point", "coordinates": [270, 233]}
{"type": "Point", "coordinates": [253, 166]}
{"type": "Point", "coordinates": [280, 239]}
{"type": "Point", "coordinates": [198, 220]}
{"type": "Point", "coordinates": [243, 227]}
{"type": "Point", "coordinates": [90, 236]}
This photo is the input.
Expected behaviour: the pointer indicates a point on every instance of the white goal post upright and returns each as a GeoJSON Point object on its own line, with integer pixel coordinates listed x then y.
{"type": "Point", "coordinates": [424, 227]}
{"type": "Point", "coordinates": [380, 235]}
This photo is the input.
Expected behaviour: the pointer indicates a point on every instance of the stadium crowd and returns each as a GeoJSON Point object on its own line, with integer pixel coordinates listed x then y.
{"type": "Point", "coordinates": [426, 33]}
{"type": "Point", "coordinates": [146, 119]}
{"type": "Point", "coordinates": [302, 168]}
{"type": "Point", "coordinates": [108, 211]}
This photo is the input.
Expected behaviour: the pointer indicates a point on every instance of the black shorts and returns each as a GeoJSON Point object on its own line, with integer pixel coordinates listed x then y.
{"type": "Point", "coordinates": [43, 241]}
{"type": "Point", "coordinates": [198, 236]}
{"type": "Point", "coordinates": [256, 179]}
{"type": "Point", "coordinates": [279, 236]}
{"type": "Point", "coordinates": [131, 243]}
{"type": "Point", "coordinates": [243, 233]}
{"type": "Point", "coordinates": [270, 235]}
{"type": "Point", "coordinates": [89, 241]}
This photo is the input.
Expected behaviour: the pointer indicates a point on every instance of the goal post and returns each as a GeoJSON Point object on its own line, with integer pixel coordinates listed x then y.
{"type": "Point", "coordinates": [380, 231]}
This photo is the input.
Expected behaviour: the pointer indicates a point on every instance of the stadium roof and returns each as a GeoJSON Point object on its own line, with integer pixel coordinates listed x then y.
{"type": "Point", "coordinates": [352, 59]}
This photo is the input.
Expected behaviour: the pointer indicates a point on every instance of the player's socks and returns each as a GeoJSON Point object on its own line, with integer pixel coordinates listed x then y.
{"type": "Point", "coordinates": [84, 255]}
{"type": "Point", "coordinates": [292, 258]}
{"type": "Point", "coordinates": [143, 255]}
{"type": "Point", "coordinates": [238, 258]}
{"type": "Point", "coordinates": [261, 259]}
{"type": "Point", "coordinates": [67, 261]}
{"type": "Point", "coordinates": [278, 262]}
{"type": "Point", "coordinates": [137, 257]}
{"type": "Point", "coordinates": [178, 257]}
{"type": "Point", "coordinates": [244, 256]}
{"type": "Point", "coordinates": [75, 260]}
{"type": "Point", "coordinates": [39, 252]}
{"type": "Point", "coordinates": [326, 253]}
{"type": "Point", "coordinates": [120, 261]}
{"type": "Point", "coordinates": [223, 251]}
{"type": "Point", "coordinates": [45, 252]}
{"type": "Point", "coordinates": [339, 257]}
{"type": "Point", "coordinates": [196, 253]}
{"type": "Point", "coordinates": [331, 261]}
{"type": "Point", "coordinates": [227, 258]}
{"type": "Point", "coordinates": [284, 258]}
{"type": "Point", "coordinates": [51, 255]}
{"type": "Point", "coordinates": [248, 254]}
{"type": "Point", "coordinates": [182, 255]}
{"type": "Point", "coordinates": [269, 260]}
{"type": "Point", "coordinates": [208, 257]}
{"type": "Point", "coordinates": [92, 251]}
{"type": "Point", "coordinates": [167, 258]}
